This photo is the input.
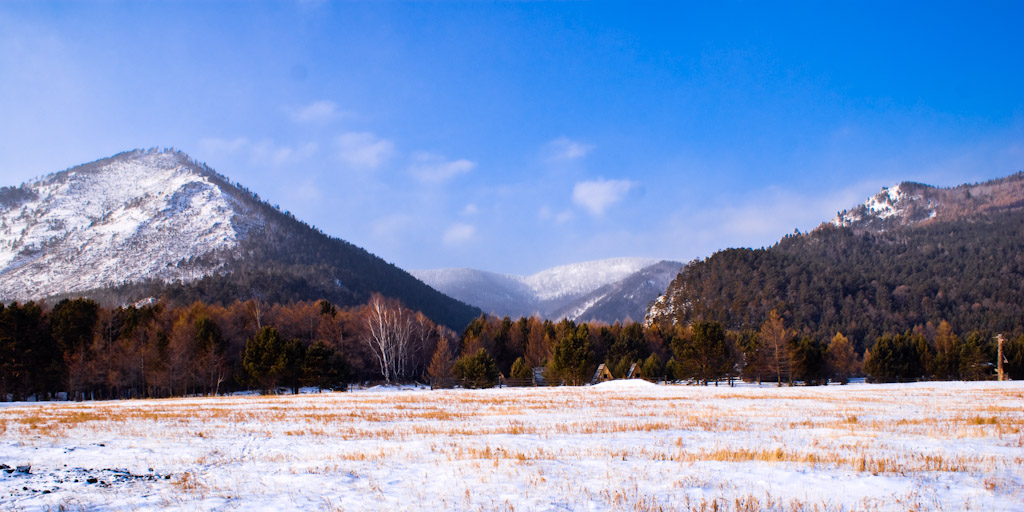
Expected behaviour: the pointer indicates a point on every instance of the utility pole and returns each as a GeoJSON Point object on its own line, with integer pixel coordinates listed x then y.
{"type": "Point", "coordinates": [999, 338]}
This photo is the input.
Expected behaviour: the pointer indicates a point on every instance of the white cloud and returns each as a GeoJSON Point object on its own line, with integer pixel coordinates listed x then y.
{"type": "Point", "coordinates": [431, 168]}
{"type": "Point", "coordinates": [216, 145]}
{"type": "Point", "coordinates": [364, 150]}
{"type": "Point", "coordinates": [597, 196]}
{"type": "Point", "coordinates": [318, 112]}
{"type": "Point", "coordinates": [266, 151]}
{"type": "Point", "coordinates": [262, 152]}
{"type": "Point", "coordinates": [458, 233]}
{"type": "Point", "coordinates": [564, 148]}
{"type": "Point", "coordinates": [545, 213]}
{"type": "Point", "coordinates": [470, 210]}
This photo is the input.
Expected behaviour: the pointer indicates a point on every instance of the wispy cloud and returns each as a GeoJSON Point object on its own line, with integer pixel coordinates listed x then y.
{"type": "Point", "coordinates": [364, 150]}
{"type": "Point", "coordinates": [218, 145]}
{"type": "Point", "coordinates": [564, 148]}
{"type": "Point", "coordinates": [432, 168]}
{"type": "Point", "coordinates": [458, 233]}
{"type": "Point", "coordinates": [546, 213]}
{"type": "Point", "coordinates": [266, 151]}
{"type": "Point", "coordinates": [596, 196]}
{"type": "Point", "coordinates": [318, 112]}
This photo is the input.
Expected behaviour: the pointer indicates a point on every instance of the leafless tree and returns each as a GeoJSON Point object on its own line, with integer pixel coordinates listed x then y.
{"type": "Point", "coordinates": [390, 333]}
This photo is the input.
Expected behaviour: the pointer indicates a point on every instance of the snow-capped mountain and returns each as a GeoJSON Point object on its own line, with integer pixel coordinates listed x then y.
{"type": "Point", "coordinates": [913, 203]}
{"type": "Point", "coordinates": [606, 290]}
{"type": "Point", "coordinates": [131, 217]}
{"type": "Point", "coordinates": [161, 219]}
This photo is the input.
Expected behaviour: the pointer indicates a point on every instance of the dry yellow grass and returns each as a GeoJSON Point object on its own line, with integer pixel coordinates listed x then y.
{"type": "Point", "coordinates": [864, 430]}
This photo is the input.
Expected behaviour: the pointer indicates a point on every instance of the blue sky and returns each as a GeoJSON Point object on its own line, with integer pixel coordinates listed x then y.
{"type": "Point", "coordinates": [513, 137]}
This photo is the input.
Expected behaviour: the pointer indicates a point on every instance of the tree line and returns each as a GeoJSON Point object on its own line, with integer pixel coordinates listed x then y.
{"type": "Point", "coordinates": [706, 351]}
{"type": "Point", "coordinates": [80, 350]}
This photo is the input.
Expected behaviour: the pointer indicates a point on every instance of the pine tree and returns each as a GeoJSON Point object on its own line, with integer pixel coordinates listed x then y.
{"type": "Point", "coordinates": [520, 370]}
{"type": "Point", "coordinates": [477, 370]}
{"type": "Point", "coordinates": [652, 368]}
{"type": "Point", "coordinates": [264, 359]}
{"type": "Point", "coordinates": [808, 360]}
{"type": "Point", "coordinates": [324, 368]}
{"type": "Point", "coordinates": [572, 355]}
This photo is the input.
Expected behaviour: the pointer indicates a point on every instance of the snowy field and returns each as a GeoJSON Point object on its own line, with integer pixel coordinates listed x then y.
{"type": "Point", "coordinates": [617, 446]}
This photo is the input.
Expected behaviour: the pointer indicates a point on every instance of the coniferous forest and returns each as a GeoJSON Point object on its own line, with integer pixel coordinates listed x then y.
{"type": "Point", "coordinates": [966, 272]}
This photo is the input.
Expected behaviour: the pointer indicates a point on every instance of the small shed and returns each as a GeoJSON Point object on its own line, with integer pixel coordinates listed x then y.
{"type": "Point", "coordinates": [603, 374]}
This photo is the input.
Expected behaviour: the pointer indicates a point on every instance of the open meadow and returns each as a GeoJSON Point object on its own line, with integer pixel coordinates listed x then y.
{"type": "Point", "coordinates": [624, 445]}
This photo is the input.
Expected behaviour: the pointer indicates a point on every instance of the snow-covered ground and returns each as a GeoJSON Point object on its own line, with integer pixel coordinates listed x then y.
{"type": "Point", "coordinates": [616, 446]}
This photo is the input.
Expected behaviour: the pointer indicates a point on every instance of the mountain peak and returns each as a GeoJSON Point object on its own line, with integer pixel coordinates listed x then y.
{"type": "Point", "coordinates": [911, 203]}
{"type": "Point", "coordinates": [608, 290]}
{"type": "Point", "coordinates": [147, 223]}
{"type": "Point", "coordinates": [134, 216]}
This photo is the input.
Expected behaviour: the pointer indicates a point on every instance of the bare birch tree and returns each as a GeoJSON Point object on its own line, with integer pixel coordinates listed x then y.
{"type": "Point", "coordinates": [390, 336]}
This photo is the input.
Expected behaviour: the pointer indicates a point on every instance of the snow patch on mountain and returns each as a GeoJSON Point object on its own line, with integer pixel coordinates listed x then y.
{"type": "Point", "coordinates": [571, 291]}
{"type": "Point", "coordinates": [582, 278]}
{"type": "Point", "coordinates": [901, 204]}
{"type": "Point", "coordinates": [136, 216]}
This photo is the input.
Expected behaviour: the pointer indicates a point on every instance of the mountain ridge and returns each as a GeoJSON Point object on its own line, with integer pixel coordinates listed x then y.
{"type": "Point", "coordinates": [579, 291]}
{"type": "Point", "coordinates": [157, 223]}
{"type": "Point", "coordinates": [909, 203]}
{"type": "Point", "coordinates": [909, 257]}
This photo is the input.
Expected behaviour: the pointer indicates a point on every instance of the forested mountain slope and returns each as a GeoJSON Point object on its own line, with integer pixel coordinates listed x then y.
{"type": "Point", "coordinates": [156, 223]}
{"type": "Point", "coordinates": [878, 270]}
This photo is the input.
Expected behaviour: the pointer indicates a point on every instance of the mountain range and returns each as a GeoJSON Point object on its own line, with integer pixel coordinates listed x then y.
{"type": "Point", "coordinates": [909, 257]}
{"type": "Point", "coordinates": [148, 224]}
{"type": "Point", "coordinates": [605, 290]}
{"type": "Point", "coordinates": [155, 223]}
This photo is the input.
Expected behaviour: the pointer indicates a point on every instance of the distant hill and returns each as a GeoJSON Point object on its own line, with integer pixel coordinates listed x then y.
{"type": "Point", "coordinates": [909, 256]}
{"type": "Point", "coordinates": [156, 223]}
{"type": "Point", "coordinates": [604, 290]}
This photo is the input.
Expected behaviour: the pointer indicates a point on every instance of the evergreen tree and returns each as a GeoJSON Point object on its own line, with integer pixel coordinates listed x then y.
{"type": "Point", "coordinates": [808, 360]}
{"type": "Point", "coordinates": [975, 360]}
{"type": "Point", "coordinates": [477, 370]}
{"type": "Point", "coordinates": [520, 370]}
{"type": "Point", "coordinates": [896, 358]}
{"type": "Point", "coordinates": [703, 355]}
{"type": "Point", "coordinates": [1013, 353]}
{"type": "Point", "coordinates": [324, 368]}
{"type": "Point", "coordinates": [652, 368]}
{"type": "Point", "coordinates": [294, 359]}
{"type": "Point", "coordinates": [572, 355]}
{"type": "Point", "coordinates": [264, 359]}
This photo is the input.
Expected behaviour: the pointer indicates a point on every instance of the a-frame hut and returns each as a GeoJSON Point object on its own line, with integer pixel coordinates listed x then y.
{"type": "Point", "coordinates": [634, 371]}
{"type": "Point", "coordinates": [603, 374]}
